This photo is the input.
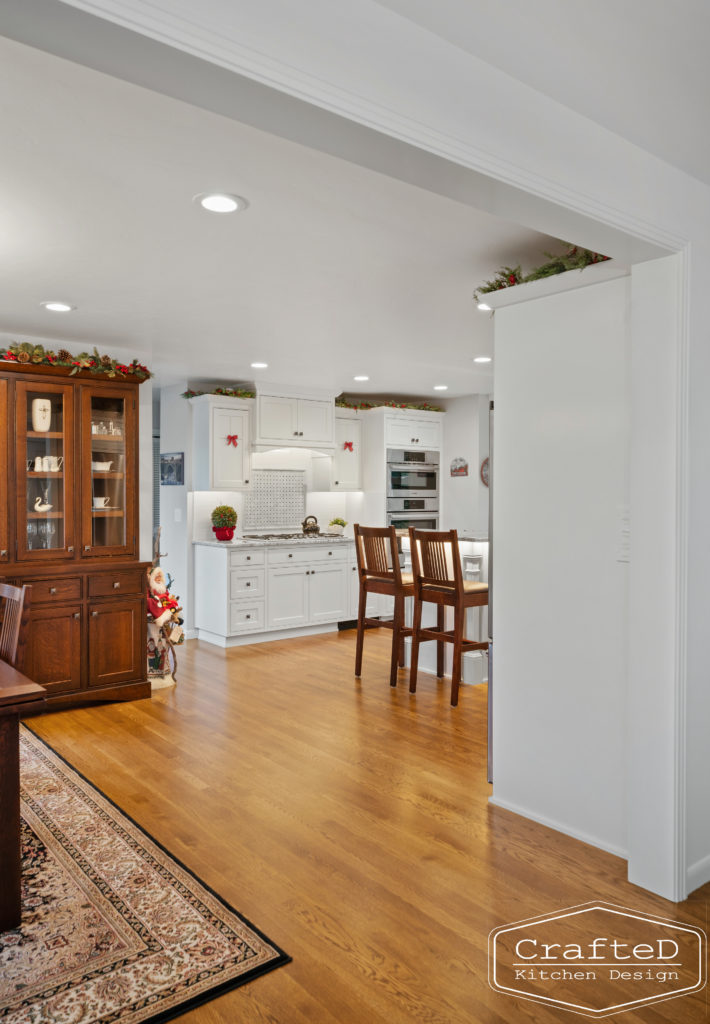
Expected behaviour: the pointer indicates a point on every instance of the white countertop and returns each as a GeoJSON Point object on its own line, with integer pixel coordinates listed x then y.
{"type": "Point", "coordinates": [275, 542]}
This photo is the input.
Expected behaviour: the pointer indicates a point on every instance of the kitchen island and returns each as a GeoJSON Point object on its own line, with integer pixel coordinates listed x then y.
{"type": "Point", "coordinates": [254, 589]}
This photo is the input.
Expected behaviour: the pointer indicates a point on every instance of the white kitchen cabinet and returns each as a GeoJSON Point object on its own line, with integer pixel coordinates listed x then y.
{"type": "Point", "coordinates": [288, 596]}
{"type": "Point", "coordinates": [221, 450]}
{"type": "Point", "coordinates": [347, 462]}
{"type": "Point", "coordinates": [328, 592]}
{"type": "Point", "coordinates": [294, 422]}
{"type": "Point", "coordinates": [404, 431]}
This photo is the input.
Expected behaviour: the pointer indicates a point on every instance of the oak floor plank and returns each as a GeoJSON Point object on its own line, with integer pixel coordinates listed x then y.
{"type": "Point", "coordinates": [349, 821]}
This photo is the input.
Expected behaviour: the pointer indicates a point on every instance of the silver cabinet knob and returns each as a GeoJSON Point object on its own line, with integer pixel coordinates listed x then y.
{"type": "Point", "coordinates": [77, 615]}
{"type": "Point", "coordinates": [87, 547]}
{"type": "Point", "coordinates": [94, 615]}
{"type": "Point", "coordinates": [3, 553]}
{"type": "Point", "coordinates": [70, 549]}
{"type": "Point", "coordinates": [52, 590]}
{"type": "Point", "coordinates": [116, 585]}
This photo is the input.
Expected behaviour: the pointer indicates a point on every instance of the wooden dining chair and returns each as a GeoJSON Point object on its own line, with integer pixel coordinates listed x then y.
{"type": "Point", "coordinates": [438, 580]}
{"type": "Point", "coordinates": [379, 572]}
{"type": "Point", "coordinates": [14, 623]}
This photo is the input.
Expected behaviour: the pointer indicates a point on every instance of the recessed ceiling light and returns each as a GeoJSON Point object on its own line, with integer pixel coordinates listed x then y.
{"type": "Point", "coordinates": [361, 377]}
{"type": "Point", "coordinates": [221, 202]}
{"type": "Point", "coordinates": [484, 306]}
{"type": "Point", "coordinates": [482, 359]}
{"type": "Point", "coordinates": [57, 307]}
{"type": "Point", "coordinates": [259, 366]}
{"type": "Point", "coordinates": [441, 387]}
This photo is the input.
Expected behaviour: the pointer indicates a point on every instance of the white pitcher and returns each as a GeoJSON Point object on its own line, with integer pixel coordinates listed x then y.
{"type": "Point", "coordinates": [41, 414]}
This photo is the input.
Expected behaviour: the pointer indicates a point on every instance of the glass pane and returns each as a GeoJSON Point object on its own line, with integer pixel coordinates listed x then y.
{"type": "Point", "coordinates": [45, 487]}
{"type": "Point", "coordinates": [108, 464]}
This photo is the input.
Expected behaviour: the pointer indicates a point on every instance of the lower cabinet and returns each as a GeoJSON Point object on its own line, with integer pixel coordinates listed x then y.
{"type": "Point", "coordinates": [248, 590]}
{"type": "Point", "coordinates": [87, 638]}
{"type": "Point", "coordinates": [117, 641]}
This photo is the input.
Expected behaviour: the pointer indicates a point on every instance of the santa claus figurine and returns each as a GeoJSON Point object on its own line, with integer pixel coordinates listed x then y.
{"type": "Point", "coordinates": [161, 604]}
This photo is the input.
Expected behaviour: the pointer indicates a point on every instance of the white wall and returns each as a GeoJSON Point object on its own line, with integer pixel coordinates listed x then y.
{"type": "Point", "coordinates": [559, 593]}
{"type": "Point", "coordinates": [465, 434]}
{"type": "Point", "coordinates": [175, 537]}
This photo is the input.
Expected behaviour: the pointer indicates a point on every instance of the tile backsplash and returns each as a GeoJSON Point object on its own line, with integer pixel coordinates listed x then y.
{"type": "Point", "coordinates": [276, 500]}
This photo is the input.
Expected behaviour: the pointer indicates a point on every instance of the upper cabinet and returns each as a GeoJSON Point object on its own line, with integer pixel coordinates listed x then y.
{"type": "Point", "coordinates": [221, 457]}
{"type": "Point", "coordinates": [407, 430]}
{"type": "Point", "coordinates": [108, 443]}
{"type": "Point", "coordinates": [296, 422]}
{"type": "Point", "coordinates": [347, 458]}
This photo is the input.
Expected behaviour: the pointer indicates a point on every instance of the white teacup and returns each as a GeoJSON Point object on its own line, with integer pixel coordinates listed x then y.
{"type": "Point", "coordinates": [55, 463]}
{"type": "Point", "coordinates": [100, 502]}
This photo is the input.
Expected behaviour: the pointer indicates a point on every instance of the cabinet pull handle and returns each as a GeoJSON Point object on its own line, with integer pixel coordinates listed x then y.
{"type": "Point", "coordinates": [70, 549]}
{"type": "Point", "coordinates": [248, 558]}
{"type": "Point", "coordinates": [248, 583]}
{"type": "Point", "coordinates": [246, 481]}
{"type": "Point", "coordinates": [94, 615]}
{"type": "Point", "coordinates": [247, 616]}
{"type": "Point", "coordinates": [87, 547]}
{"type": "Point", "coordinates": [3, 553]}
{"type": "Point", "coordinates": [330, 552]}
{"type": "Point", "coordinates": [295, 433]}
{"type": "Point", "coordinates": [290, 556]}
{"type": "Point", "coordinates": [52, 590]}
{"type": "Point", "coordinates": [77, 615]}
{"type": "Point", "coordinates": [337, 482]}
{"type": "Point", "coordinates": [116, 585]}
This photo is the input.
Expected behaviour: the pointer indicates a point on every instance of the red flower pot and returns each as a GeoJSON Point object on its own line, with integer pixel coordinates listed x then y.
{"type": "Point", "coordinates": [223, 532]}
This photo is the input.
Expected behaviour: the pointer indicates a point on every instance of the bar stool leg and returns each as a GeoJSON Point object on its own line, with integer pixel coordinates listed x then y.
{"type": "Point", "coordinates": [362, 604]}
{"type": "Point", "coordinates": [440, 613]}
{"type": "Point", "coordinates": [416, 627]}
{"type": "Point", "coordinates": [397, 638]}
{"type": "Point", "coordinates": [459, 620]}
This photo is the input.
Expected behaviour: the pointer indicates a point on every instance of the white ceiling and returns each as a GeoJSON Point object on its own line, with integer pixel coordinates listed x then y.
{"type": "Point", "coordinates": [333, 271]}
{"type": "Point", "coordinates": [638, 67]}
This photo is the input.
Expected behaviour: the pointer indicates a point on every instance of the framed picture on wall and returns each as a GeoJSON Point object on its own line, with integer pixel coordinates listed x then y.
{"type": "Point", "coordinates": [172, 469]}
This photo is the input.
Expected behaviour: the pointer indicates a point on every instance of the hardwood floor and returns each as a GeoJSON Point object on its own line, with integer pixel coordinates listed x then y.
{"type": "Point", "coordinates": [349, 821]}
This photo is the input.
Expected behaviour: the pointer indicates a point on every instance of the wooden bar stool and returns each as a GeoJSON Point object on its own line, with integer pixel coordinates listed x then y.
{"type": "Point", "coordinates": [438, 579]}
{"type": "Point", "coordinates": [379, 572]}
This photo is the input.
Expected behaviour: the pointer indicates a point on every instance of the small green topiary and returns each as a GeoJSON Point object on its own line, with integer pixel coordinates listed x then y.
{"type": "Point", "coordinates": [224, 516]}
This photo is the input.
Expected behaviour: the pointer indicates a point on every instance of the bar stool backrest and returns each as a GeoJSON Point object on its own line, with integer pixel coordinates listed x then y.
{"type": "Point", "coordinates": [376, 551]}
{"type": "Point", "coordinates": [15, 618]}
{"type": "Point", "coordinates": [435, 559]}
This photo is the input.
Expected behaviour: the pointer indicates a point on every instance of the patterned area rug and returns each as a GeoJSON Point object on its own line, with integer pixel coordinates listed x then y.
{"type": "Point", "coordinates": [113, 927]}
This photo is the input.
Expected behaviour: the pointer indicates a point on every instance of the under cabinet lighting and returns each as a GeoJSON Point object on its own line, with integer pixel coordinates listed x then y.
{"type": "Point", "coordinates": [221, 202]}
{"type": "Point", "coordinates": [57, 307]}
{"type": "Point", "coordinates": [482, 359]}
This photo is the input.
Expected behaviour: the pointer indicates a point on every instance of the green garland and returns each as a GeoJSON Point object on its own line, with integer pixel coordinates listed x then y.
{"type": "Point", "coordinates": [573, 258]}
{"type": "Point", "coordinates": [226, 392]}
{"type": "Point", "coordinates": [343, 403]}
{"type": "Point", "coordinates": [27, 353]}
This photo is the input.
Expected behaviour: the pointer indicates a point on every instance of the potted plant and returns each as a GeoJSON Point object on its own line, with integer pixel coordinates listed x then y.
{"type": "Point", "coordinates": [337, 525]}
{"type": "Point", "coordinates": [224, 519]}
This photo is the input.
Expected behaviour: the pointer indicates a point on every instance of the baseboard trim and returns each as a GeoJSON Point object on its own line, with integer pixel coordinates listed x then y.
{"type": "Point", "coordinates": [698, 874]}
{"type": "Point", "coordinates": [261, 638]}
{"type": "Point", "coordinates": [541, 819]}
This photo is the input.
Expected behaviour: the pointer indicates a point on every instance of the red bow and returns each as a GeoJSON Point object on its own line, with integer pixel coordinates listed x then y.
{"type": "Point", "coordinates": [232, 439]}
{"type": "Point", "coordinates": [347, 446]}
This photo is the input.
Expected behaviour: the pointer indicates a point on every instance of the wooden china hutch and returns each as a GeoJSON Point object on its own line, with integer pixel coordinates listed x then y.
{"type": "Point", "coordinates": [69, 527]}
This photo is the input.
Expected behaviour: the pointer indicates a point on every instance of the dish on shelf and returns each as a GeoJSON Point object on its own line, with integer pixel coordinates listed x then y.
{"type": "Point", "coordinates": [101, 467]}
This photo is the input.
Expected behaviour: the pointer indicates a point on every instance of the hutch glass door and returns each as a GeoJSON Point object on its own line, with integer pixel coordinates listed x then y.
{"type": "Point", "coordinates": [108, 429]}
{"type": "Point", "coordinates": [45, 514]}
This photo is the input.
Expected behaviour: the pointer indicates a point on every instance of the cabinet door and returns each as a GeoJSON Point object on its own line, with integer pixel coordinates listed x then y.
{"type": "Point", "coordinates": [53, 657]}
{"type": "Point", "coordinates": [230, 449]}
{"type": "Point", "coordinates": [410, 432]}
{"type": "Point", "coordinates": [328, 593]}
{"type": "Point", "coordinates": [287, 589]}
{"type": "Point", "coordinates": [4, 469]}
{"type": "Point", "coordinates": [108, 471]}
{"type": "Point", "coordinates": [45, 471]}
{"type": "Point", "coordinates": [315, 420]}
{"type": "Point", "coordinates": [278, 418]}
{"type": "Point", "coordinates": [347, 462]}
{"type": "Point", "coordinates": [117, 641]}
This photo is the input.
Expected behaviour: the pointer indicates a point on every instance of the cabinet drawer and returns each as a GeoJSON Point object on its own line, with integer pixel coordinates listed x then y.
{"type": "Point", "coordinates": [309, 553]}
{"type": "Point", "coordinates": [246, 583]}
{"type": "Point", "coordinates": [252, 556]}
{"type": "Point", "coordinates": [246, 617]}
{"type": "Point", "coordinates": [60, 589]}
{"type": "Point", "coordinates": [109, 584]}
